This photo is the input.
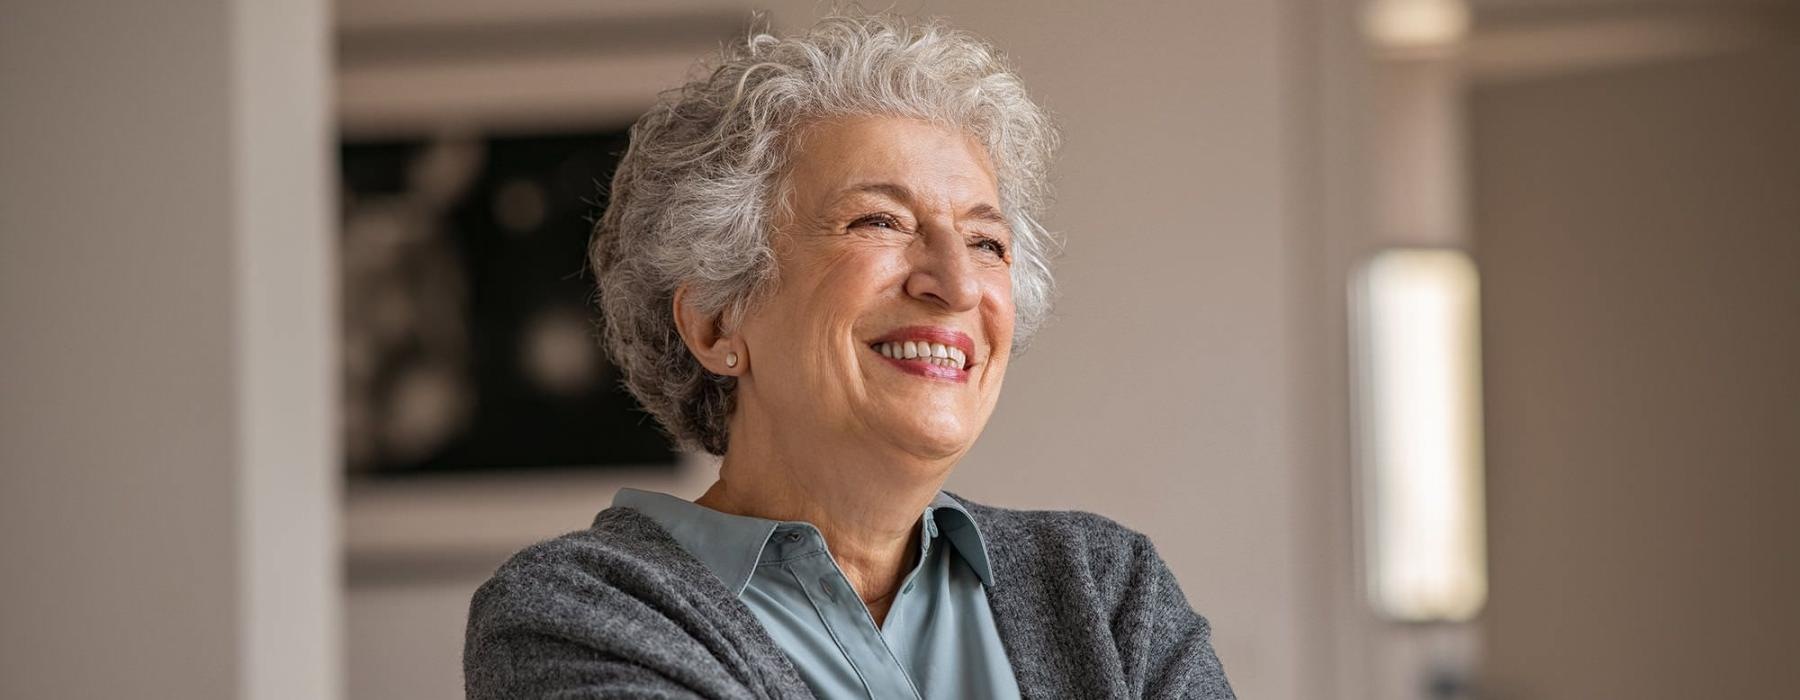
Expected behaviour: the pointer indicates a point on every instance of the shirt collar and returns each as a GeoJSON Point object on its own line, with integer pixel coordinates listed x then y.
{"type": "Point", "coordinates": [955, 523]}
{"type": "Point", "coordinates": [732, 545]}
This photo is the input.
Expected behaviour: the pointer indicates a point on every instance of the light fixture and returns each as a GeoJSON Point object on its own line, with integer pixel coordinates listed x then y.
{"type": "Point", "coordinates": [1419, 433]}
{"type": "Point", "coordinates": [1415, 24]}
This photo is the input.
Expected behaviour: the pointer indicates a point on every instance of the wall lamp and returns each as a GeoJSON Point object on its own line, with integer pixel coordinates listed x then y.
{"type": "Point", "coordinates": [1417, 383]}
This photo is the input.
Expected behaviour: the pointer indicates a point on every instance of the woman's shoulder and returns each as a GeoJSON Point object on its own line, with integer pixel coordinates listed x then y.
{"type": "Point", "coordinates": [622, 551]}
{"type": "Point", "coordinates": [1048, 562]}
{"type": "Point", "coordinates": [617, 603]}
{"type": "Point", "coordinates": [1058, 525]}
{"type": "Point", "coordinates": [582, 582]}
{"type": "Point", "coordinates": [1050, 539]}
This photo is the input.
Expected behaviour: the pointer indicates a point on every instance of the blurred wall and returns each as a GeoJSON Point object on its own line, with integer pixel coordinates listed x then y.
{"type": "Point", "coordinates": [1639, 228]}
{"type": "Point", "coordinates": [1167, 394]}
{"type": "Point", "coordinates": [167, 457]}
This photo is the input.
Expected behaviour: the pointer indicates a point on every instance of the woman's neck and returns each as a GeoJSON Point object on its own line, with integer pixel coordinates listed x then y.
{"type": "Point", "coordinates": [868, 514]}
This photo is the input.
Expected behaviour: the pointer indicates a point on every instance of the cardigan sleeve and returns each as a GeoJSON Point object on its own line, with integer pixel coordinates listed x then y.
{"type": "Point", "coordinates": [1165, 647]}
{"type": "Point", "coordinates": [522, 664]}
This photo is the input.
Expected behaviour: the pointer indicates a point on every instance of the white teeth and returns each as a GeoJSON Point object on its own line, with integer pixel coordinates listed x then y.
{"type": "Point", "coordinates": [934, 353]}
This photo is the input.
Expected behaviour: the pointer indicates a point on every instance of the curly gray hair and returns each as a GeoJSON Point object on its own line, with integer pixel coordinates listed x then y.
{"type": "Point", "coordinates": [694, 199]}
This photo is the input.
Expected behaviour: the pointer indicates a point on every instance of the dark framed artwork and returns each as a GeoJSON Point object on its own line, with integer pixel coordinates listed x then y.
{"type": "Point", "coordinates": [470, 336]}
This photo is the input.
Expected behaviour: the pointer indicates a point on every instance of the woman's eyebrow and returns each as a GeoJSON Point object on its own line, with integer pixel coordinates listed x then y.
{"type": "Point", "coordinates": [890, 190]}
{"type": "Point", "coordinates": [987, 212]}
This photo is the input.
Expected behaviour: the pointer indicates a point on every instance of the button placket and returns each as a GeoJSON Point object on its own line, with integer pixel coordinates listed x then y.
{"type": "Point", "coordinates": [853, 629]}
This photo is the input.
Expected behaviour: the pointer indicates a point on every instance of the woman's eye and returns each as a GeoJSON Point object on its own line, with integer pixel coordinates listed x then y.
{"type": "Point", "coordinates": [992, 245]}
{"type": "Point", "coordinates": [879, 220]}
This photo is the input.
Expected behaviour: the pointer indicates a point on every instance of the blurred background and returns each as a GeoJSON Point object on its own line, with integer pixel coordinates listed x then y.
{"type": "Point", "coordinates": [1444, 348]}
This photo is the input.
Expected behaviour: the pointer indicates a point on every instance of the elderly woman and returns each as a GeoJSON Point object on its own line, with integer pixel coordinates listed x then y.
{"type": "Point", "coordinates": [816, 263]}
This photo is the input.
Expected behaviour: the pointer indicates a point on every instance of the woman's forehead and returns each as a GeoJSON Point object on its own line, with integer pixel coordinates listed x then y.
{"type": "Point", "coordinates": [889, 157]}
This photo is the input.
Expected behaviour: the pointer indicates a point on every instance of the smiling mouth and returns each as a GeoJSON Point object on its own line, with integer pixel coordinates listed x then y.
{"type": "Point", "coordinates": [924, 353]}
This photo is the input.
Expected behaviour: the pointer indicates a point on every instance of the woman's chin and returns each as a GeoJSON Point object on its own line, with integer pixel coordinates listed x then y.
{"type": "Point", "coordinates": [932, 440]}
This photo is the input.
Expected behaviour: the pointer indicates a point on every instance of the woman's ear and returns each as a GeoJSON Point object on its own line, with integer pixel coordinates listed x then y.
{"type": "Point", "coordinates": [718, 353]}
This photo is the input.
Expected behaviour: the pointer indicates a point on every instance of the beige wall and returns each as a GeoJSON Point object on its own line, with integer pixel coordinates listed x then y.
{"type": "Point", "coordinates": [1640, 232]}
{"type": "Point", "coordinates": [167, 507]}
{"type": "Point", "coordinates": [117, 501]}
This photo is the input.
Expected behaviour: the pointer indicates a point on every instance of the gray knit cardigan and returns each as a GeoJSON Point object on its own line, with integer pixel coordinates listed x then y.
{"type": "Point", "coordinates": [1085, 608]}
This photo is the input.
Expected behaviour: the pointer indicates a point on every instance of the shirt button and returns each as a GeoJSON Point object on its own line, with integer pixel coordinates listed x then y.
{"type": "Point", "coordinates": [793, 537]}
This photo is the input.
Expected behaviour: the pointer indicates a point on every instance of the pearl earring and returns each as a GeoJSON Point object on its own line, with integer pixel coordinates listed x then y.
{"type": "Point", "coordinates": [731, 359]}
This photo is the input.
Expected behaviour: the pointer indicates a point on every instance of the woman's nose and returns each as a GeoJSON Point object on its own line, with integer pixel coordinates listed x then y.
{"type": "Point", "coordinates": [942, 272]}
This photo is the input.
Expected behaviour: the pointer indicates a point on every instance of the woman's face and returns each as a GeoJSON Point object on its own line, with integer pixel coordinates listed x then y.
{"type": "Point", "coordinates": [892, 247]}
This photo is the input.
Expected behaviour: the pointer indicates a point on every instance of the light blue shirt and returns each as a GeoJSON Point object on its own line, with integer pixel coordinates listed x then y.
{"type": "Point", "coordinates": [938, 640]}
